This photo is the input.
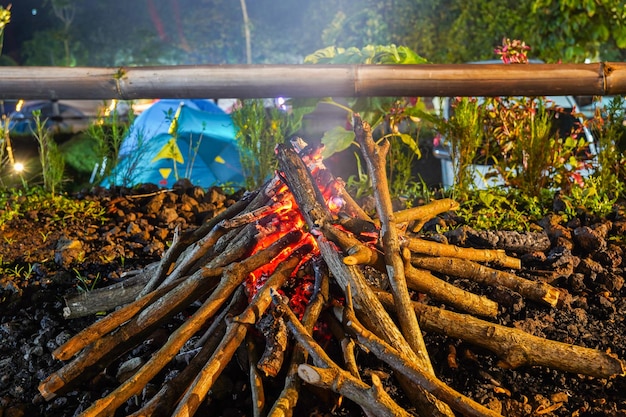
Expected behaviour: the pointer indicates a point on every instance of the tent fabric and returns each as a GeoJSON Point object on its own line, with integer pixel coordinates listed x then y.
{"type": "Point", "coordinates": [176, 139]}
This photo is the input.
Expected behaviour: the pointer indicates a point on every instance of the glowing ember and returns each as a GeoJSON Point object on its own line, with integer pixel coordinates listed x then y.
{"type": "Point", "coordinates": [283, 216]}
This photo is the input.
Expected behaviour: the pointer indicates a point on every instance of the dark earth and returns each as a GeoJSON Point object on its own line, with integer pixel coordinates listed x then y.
{"type": "Point", "coordinates": [46, 256]}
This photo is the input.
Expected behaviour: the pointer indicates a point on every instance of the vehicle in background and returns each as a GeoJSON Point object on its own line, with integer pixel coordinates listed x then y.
{"type": "Point", "coordinates": [62, 116]}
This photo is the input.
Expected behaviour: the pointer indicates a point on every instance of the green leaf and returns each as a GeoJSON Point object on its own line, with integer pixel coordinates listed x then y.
{"type": "Point", "coordinates": [411, 143]}
{"type": "Point", "coordinates": [336, 140]}
{"type": "Point", "coordinates": [304, 105]}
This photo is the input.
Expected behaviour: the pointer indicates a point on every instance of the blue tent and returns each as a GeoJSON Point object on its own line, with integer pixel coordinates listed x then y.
{"type": "Point", "coordinates": [176, 139]}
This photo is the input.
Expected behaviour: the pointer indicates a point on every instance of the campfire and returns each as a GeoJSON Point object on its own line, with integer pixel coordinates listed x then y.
{"type": "Point", "coordinates": [299, 264]}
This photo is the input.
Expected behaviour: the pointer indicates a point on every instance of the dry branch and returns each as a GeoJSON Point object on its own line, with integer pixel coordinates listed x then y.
{"type": "Point", "coordinates": [165, 400]}
{"type": "Point", "coordinates": [421, 214]}
{"type": "Point", "coordinates": [462, 268]}
{"type": "Point", "coordinates": [233, 276]}
{"type": "Point", "coordinates": [375, 158]}
{"type": "Point", "coordinates": [108, 323]}
{"type": "Point", "coordinates": [235, 334]}
{"type": "Point", "coordinates": [108, 298]}
{"type": "Point", "coordinates": [328, 375]}
{"type": "Point", "coordinates": [395, 359]}
{"type": "Point", "coordinates": [496, 256]}
{"type": "Point", "coordinates": [104, 350]}
{"type": "Point", "coordinates": [440, 290]}
{"type": "Point", "coordinates": [515, 347]}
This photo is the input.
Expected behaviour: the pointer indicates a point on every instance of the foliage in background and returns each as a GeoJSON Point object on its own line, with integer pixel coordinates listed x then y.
{"type": "Point", "coordinates": [579, 30]}
{"type": "Point", "coordinates": [108, 132]}
{"type": "Point", "coordinates": [462, 134]}
{"type": "Point", "coordinates": [52, 162]}
{"type": "Point", "coordinates": [260, 127]}
{"type": "Point", "coordinates": [391, 118]}
{"type": "Point", "coordinates": [516, 136]}
{"type": "Point", "coordinates": [527, 150]}
{"type": "Point", "coordinates": [5, 18]}
{"type": "Point", "coordinates": [609, 127]}
{"type": "Point", "coordinates": [211, 31]}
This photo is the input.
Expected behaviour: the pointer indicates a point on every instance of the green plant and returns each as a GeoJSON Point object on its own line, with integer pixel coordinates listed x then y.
{"type": "Point", "coordinates": [609, 127]}
{"type": "Point", "coordinates": [52, 162]}
{"type": "Point", "coordinates": [525, 148]}
{"type": "Point", "coordinates": [86, 283]}
{"type": "Point", "coordinates": [392, 118]}
{"type": "Point", "coordinates": [592, 198]}
{"type": "Point", "coordinates": [464, 134]}
{"type": "Point", "coordinates": [18, 202]}
{"type": "Point", "coordinates": [108, 132]}
{"type": "Point", "coordinates": [498, 209]}
{"type": "Point", "coordinates": [259, 129]}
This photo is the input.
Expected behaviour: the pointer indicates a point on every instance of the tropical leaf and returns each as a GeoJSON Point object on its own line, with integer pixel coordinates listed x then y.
{"type": "Point", "coordinates": [336, 140]}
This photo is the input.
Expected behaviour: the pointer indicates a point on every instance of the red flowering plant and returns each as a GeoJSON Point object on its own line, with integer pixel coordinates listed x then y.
{"type": "Point", "coordinates": [530, 143]}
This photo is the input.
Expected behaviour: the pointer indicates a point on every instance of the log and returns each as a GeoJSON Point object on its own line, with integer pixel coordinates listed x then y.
{"type": "Point", "coordinates": [440, 290]}
{"type": "Point", "coordinates": [496, 256]}
{"type": "Point", "coordinates": [534, 290]}
{"type": "Point", "coordinates": [515, 347]}
{"type": "Point", "coordinates": [108, 298]}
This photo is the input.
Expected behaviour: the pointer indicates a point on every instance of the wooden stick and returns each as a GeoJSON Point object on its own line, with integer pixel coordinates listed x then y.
{"type": "Point", "coordinates": [235, 334]}
{"type": "Point", "coordinates": [357, 252]}
{"type": "Point", "coordinates": [164, 401]}
{"type": "Point", "coordinates": [421, 214]}
{"type": "Point", "coordinates": [233, 277]}
{"type": "Point", "coordinates": [328, 375]}
{"type": "Point", "coordinates": [83, 304]}
{"type": "Point", "coordinates": [447, 293]}
{"type": "Point", "coordinates": [102, 351]}
{"type": "Point", "coordinates": [462, 268]}
{"type": "Point", "coordinates": [256, 382]}
{"type": "Point", "coordinates": [513, 346]}
{"type": "Point", "coordinates": [399, 363]}
{"type": "Point", "coordinates": [109, 323]}
{"type": "Point", "coordinates": [375, 157]}
{"type": "Point", "coordinates": [288, 397]}
{"type": "Point", "coordinates": [496, 256]}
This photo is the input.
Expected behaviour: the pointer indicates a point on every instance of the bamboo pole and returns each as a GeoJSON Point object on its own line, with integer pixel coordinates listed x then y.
{"type": "Point", "coordinates": [259, 81]}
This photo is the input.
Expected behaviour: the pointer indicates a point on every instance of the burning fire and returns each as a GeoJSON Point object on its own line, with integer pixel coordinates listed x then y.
{"type": "Point", "coordinates": [282, 217]}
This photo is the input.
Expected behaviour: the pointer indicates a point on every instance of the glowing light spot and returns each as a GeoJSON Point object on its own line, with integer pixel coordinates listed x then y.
{"type": "Point", "coordinates": [18, 167]}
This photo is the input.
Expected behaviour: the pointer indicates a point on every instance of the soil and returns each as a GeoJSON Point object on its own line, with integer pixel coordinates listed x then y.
{"type": "Point", "coordinates": [46, 256]}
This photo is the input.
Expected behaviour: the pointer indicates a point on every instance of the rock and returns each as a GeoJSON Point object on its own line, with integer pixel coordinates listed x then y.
{"type": "Point", "coordinates": [68, 251]}
{"type": "Point", "coordinates": [128, 368]}
{"type": "Point", "coordinates": [588, 239]}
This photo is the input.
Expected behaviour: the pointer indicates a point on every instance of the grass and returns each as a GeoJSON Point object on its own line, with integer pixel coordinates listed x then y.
{"type": "Point", "coordinates": [15, 203]}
